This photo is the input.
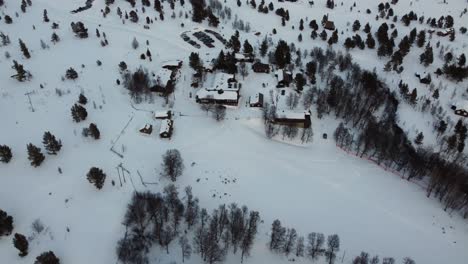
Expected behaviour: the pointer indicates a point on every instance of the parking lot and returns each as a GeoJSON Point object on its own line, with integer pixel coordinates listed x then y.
{"type": "Point", "coordinates": [203, 37]}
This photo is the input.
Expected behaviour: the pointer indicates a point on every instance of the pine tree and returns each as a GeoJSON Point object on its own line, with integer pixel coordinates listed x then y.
{"type": "Point", "coordinates": [356, 25]}
{"type": "Point", "coordinates": [427, 57]}
{"type": "Point", "coordinates": [370, 41]}
{"type": "Point", "coordinates": [35, 155]}
{"type": "Point", "coordinates": [54, 38]}
{"type": "Point", "coordinates": [441, 127]}
{"type": "Point", "coordinates": [8, 19]}
{"type": "Point", "coordinates": [282, 54]}
{"type": "Point", "coordinates": [24, 49]}
{"type": "Point", "coordinates": [51, 144]}
{"type": "Point", "coordinates": [264, 47]}
{"type": "Point", "coordinates": [82, 99]}
{"type": "Point", "coordinates": [71, 74]}
{"type": "Point", "coordinates": [421, 38]}
{"type": "Point", "coordinates": [5, 39]}
{"type": "Point", "coordinates": [462, 60]}
{"type": "Point", "coordinates": [198, 10]}
{"type": "Point", "coordinates": [248, 49]}
{"type": "Point", "coordinates": [78, 113]}
{"type": "Point", "coordinates": [349, 43]}
{"type": "Point", "coordinates": [194, 61]}
{"type": "Point", "coordinates": [6, 223]}
{"type": "Point", "coordinates": [47, 258]}
{"type": "Point", "coordinates": [21, 243]}
{"type": "Point", "coordinates": [21, 74]}
{"type": "Point", "coordinates": [96, 177]}
{"type": "Point", "coordinates": [300, 81]}
{"type": "Point", "coordinates": [5, 154]}
{"type": "Point", "coordinates": [135, 43]}
{"type": "Point", "coordinates": [46, 18]}
{"type": "Point", "coordinates": [323, 35]}
{"type": "Point", "coordinates": [367, 28]}
{"type": "Point", "coordinates": [435, 94]}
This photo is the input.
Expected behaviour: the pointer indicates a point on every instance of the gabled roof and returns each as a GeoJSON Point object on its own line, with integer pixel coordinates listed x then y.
{"type": "Point", "coordinates": [283, 114]}
{"type": "Point", "coordinates": [217, 94]}
{"type": "Point", "coordinates": [161, 114]}
{"type": "Point", "coordinates": [164, 76]}
{"type": "Point", "coordinates": [462, 105]}
{"type": "Point", "coordinates": [166, 125]}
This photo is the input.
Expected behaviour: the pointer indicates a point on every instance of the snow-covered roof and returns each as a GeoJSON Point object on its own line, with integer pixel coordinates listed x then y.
{"type": "Point", "coordinates": [462, 105]}
{"type": "Point", "coordinates": [147, 129]}
{"type": "Point", "coordinates": [164, 75]}
{"type": "Point", "coordinates": [239, 56]}
{"type": "Point", "coordinates": [257, 99]}
{"type": "Point", "coordinates": [174, 63]}
{"type": "Point", "coordinates": [161, 114]}
{"type": "Point", "coordinates": [280, 75]}
{"type": "Point", "coordinates": [217, 94]}
{"type": "Point", "coordinates": [166, 125]}
{"type": "Point", "coordinates": [283, 114]}
{"type": "Point", "coordinates": [221, 81]}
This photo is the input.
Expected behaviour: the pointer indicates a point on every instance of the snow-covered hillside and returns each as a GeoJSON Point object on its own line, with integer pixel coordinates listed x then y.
{"type": "Point", "coordinates": [311, 186]}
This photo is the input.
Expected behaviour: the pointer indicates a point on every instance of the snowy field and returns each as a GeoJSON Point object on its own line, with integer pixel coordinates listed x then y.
{"type": "Point", "coordinates": [314, 188]}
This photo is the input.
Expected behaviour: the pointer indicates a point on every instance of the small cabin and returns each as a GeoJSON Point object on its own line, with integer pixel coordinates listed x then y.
{"type": "Point", "coordinates": [261, 67]}
{"type": "Point", "coordinates": [257, 100]}
{"type": "Point", "coordinates": [283, 77]}
{"type": "Point", "coordinates": [424, 79]}
{"type": "Point", "coordinates": [163, 114]}
{"type": "Point", "coordinates": [147, 129]}
{"type": "Point", "coordinates": [446, 32]}
{"type": "Point", "coordinates": [173, 65]}
{"type": "Point", "coordinates": [243, 57]}
{"type": "Point", "coordinates": [166, 128]}
{"type": "Point", "coordinates": [165, 81]}
{"type": "Point", "coordinates": [293, 118]}
{"type": "Point", "coordinates": [461, 108]}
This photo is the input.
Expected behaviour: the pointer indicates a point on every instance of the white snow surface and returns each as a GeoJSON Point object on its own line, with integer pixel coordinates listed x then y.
{"type": "Point", "coordinates": [314, 188]}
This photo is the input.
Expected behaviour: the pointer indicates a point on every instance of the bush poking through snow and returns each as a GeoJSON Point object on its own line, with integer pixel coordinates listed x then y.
{"type": "Point", "coordinates": [219, 112]}
{"type": "Point", "coordinates": [21, 243]}
{"type": "Point", "coordinates": [96, 177]}
{"type": "Point", "coordinates": [173, 164]}
{"type": "Point", "coordinates": [37, 226]}
{"type": "Point", "coordinates": [35, 155]}
{"type": "Point", "coordinates": [47, 258]}
{"type": "Point", "coordinates": [5, 154]}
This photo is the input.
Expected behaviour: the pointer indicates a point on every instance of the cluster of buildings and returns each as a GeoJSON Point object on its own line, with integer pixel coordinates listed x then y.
{"type": "Point", "coordinates": [225, 89]}
{"type": "Point", "coordinates": [167, 124]}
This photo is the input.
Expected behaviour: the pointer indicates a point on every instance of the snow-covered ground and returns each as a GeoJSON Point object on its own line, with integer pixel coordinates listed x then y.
{"type": "Point", "coordinates": [314, 187]}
